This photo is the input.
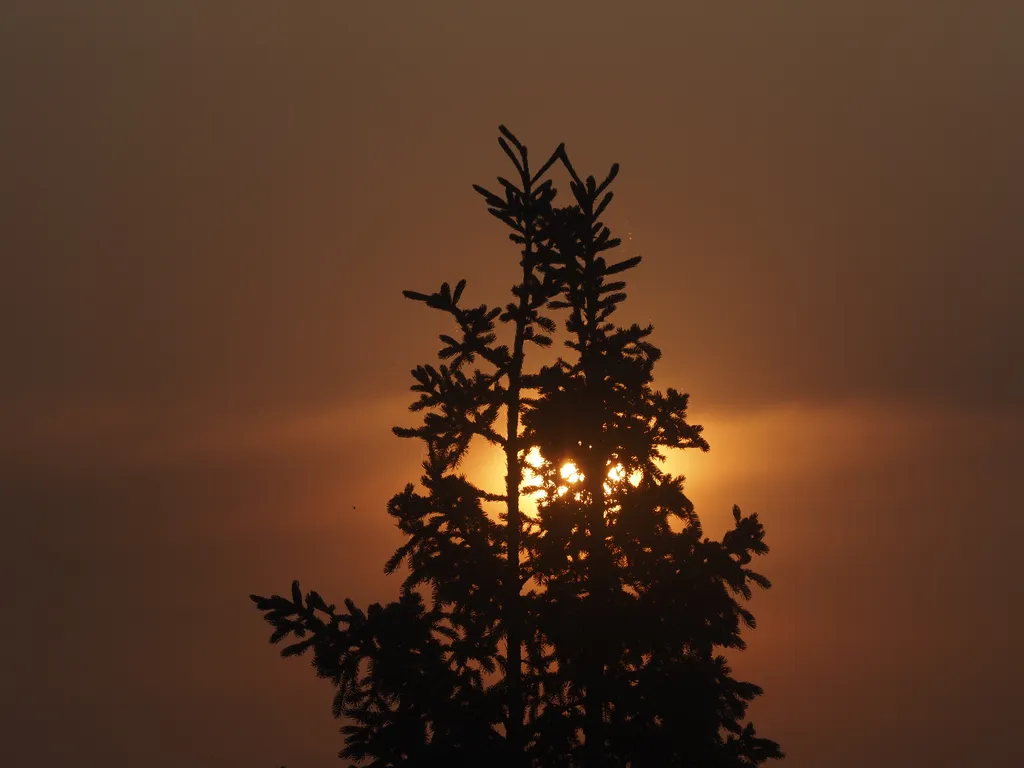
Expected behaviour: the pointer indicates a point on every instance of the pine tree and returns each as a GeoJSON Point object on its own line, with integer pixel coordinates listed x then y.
{"type": "Point", "coordinates": [627, 606]}
{"type": "Point", "coordinates": [630, 608]}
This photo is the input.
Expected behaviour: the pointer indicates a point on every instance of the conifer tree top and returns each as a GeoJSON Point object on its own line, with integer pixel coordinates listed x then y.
{"type": "Point", "coordinates": [593, 632]}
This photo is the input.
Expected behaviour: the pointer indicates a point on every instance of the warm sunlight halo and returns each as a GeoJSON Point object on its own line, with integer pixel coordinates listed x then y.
{"type": "Point", "coordinates": [570, 474]}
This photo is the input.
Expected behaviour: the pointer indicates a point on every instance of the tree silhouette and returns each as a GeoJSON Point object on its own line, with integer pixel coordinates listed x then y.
{"type": "Point", "coordinates": [590, 633]}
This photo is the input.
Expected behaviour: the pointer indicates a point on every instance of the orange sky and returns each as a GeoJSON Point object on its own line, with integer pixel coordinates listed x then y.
{"type": "Point", "coordinates": [209, 211]}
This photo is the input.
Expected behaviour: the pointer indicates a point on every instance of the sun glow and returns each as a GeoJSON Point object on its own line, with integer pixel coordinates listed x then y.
{"type": "Point", "coordinates": [534, 459]}
{"type": "Point", "coordinates": [569, 475]}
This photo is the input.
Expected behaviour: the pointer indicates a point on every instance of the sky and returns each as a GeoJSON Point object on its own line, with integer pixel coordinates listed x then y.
{"type": "Point", "coordinates": [209, 211]}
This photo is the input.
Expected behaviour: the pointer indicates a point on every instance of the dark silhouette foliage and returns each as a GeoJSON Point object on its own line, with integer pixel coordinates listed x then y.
{"type": "Point", "coordinates": [591, 633]}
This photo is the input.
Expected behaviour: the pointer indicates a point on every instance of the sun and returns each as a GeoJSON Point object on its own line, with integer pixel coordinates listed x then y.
{"type": "Point", "coordinates": [570, 475]}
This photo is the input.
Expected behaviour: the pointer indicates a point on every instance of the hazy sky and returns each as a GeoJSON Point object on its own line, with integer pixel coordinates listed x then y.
{"type": "Point", "coordinates": [208, 211]}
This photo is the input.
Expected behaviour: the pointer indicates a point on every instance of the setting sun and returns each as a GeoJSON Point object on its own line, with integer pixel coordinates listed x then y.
{"type": "Point", "coordinates": [569, 474]}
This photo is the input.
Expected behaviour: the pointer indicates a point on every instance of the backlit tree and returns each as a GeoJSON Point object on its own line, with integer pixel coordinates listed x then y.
{"type": "Point", "coordinates": [591, 633]}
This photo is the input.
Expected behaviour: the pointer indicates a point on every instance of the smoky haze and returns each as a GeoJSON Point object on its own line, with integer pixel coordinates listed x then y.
{"type": "Point", "coordinates": [209, 212]}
